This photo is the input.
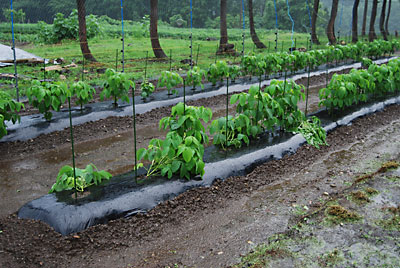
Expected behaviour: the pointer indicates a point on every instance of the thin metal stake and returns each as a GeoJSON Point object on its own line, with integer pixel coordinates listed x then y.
{"type": "Point", "coordinates": [145, 66]}
{"type": "Point", "coordinates": [184, 97]}
{"type": "Point", "coordinates": [191, 51]}
{"type": "Point", "coordinates": [170, 59]}
{"type": "Point", "coordinates": [14, 53]}
{"type": "Point", "coordinates": [44, 69]}
{"type": "Point", "coordinates": [197, 56]}
{"type": "Point", "coordinates": [83, 67]}
{"type": "Point", "coordinates": [123, 37]}
{"type": "Point", "coordinates": [116, 60]}
{"type": "Point", "coordinates": [308, 86]}
{"type": "Point", "coordinates": [134, 129]}
{"type": "Point", "coordinates": [327, 73]}
{"type": "Point", "coordinates": [72, 143]}
{"type": "Point", "coordinates": [227, 112]}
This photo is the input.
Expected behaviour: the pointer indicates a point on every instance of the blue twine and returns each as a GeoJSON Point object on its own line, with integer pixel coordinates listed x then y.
{"type": "Point", "coordinates": [244, 22]}
{"type": "Point", "coordinates": [309, 13]}
{"type": "Point", "coordinates": [288, 12]}
{"type": "Point", "coordinates": [12, 23]}
{"type": "Point", "coordinates": [276, 15]}
{"type": "Point", "coordinates": [122, 18]}
{"type": "Point", "coordinates": [341, 15]}
{"type": "Point", "coordinates": [191, 15]}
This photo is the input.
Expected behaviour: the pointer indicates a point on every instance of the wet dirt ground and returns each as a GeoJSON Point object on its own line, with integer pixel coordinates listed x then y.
{"type": "Point", "coordinates": [212, 227]}
{"type": "Point", "coordinates": [207, 227]}
{"type": "Point", "coordinates": [29, 168]}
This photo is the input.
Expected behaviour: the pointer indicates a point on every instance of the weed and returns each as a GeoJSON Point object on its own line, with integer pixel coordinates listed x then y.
{"type": "Point", "coordinates": [337, 214]}
{"type": "Point", "coordinates": [359, 197]}
{"type": "Point", "coordinates": [331, 258]}
{"type": "Point", "coordinates": [371, 191]}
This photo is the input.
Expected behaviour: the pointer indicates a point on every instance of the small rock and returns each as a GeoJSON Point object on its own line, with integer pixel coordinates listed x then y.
{"type": "Point", "coordinates": [326, 193]}
{"type": "Point", "coordinates": [220, 253]}
{"type": "Point", "coordinates": [333, 185]}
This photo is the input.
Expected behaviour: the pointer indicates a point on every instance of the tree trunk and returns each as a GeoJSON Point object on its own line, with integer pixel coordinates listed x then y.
{"type": "Point", "coordinates": [155, 43]}
{"type": "Point", "coordinates": [330, 30]}
{"type": "Point", "coordinates": [253, 33]}
{"type": "Point", "coordinates": [372, 34]}
{"type": "Point", "coordinates": [387, 18]}
{"type": "Point", "coordinates": [314, 37]}
{"type": "Point", "coordinates": [82, 31]}
{"type": "Point", "coordinates": [382, 20]}
{"type": "Point", "coordinates": [364, 25]}
{"type": "Point", "coordinates": [354, 24]}
{"type": "Point", "coordinates": [223, 41]}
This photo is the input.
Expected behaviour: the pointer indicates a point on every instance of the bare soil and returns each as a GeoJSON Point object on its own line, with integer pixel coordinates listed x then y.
{"type": "Point", "coordinates": [205, 227]}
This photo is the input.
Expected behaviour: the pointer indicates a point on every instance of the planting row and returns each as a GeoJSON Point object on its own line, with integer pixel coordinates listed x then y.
{"type": "Point", "coordinates": [48, 96]}
{"type": "Point", "coordinates": [273, 108]}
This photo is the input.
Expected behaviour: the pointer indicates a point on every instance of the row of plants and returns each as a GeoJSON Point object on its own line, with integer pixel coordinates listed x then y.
{"type": "Point", "coordinates": [181, 152]}
{"type": "Point", "coordinates": [48, 96]}
{"type": "Point", "coordinates": [360, 85]}
{"type": "Point", "coordinates": [257, 111]}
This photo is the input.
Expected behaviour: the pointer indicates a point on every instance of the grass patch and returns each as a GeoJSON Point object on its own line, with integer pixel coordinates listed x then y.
{"type": "Point", "coordinates": [359, 197]}
{"type": "Point", "coordinates": [262, 254]}
{"type": "Point", "coordinates": [371, 191]}
{"type": "Point", "coordinates": [384, 167]}
{"type": "Point", "coordinates": [331, 259]}
{"type": "Point", "coordinates": [337, 214]}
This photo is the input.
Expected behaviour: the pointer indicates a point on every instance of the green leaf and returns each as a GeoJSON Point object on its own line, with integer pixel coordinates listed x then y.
{"type": "Point", "coordinates": [187, 154]}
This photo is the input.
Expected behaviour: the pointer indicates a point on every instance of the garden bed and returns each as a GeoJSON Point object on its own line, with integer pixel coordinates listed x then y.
{"type": "Point", "coordinates": [124, 197]}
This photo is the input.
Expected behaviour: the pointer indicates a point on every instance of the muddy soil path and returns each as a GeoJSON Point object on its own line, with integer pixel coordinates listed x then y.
{"type": "Point", "coordinates": [211, 227]}
{"type": "Point", "coordinates": [29, 168]}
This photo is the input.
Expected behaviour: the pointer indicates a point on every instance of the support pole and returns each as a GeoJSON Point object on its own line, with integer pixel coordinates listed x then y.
{"type": "Point", "coordinates": [244, 28]}
{"type": "Point", "coordinates": [123, 37]}
{"type": "Point", "coordinates": [227, 112]}
{"type": "Point", "coordinates": [13, 48]}
{"type": "Point", "coordinates": [191, 34]}
{"type": "Point", "coordinates": [72, 143]}
{"type": "Point", "coordinates": [134, 130]}
{"type": "Point", "coordinates": [276, 27]}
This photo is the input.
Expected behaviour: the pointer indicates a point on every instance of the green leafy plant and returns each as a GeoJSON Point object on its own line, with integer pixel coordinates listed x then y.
{"type": "Point", "coordinates": [3, 130]}
{"type": "Point", "coordinates": [181, 152]}
{"type": "Point", "coordinates": [68, 28]}
{"type": "Point", "coordinates": [238, 131]}
{"type": "Point", "coordinates": [170, 80]}
{"type": "Point", "coordinates": [195, 77]}
{"type": "Point", "coordinates": [46, 96]}
{"type": "Point", "coordinates": [217, 71]}
{"type": "Point", "coordinates": [313, 132]}
{"type": "Point", "coordinates": [83, 92]}
{"type": "Point", "coordinates": [9, 108]}
{"type": "Point", "coordinates": [84, 178]}
{"type": "Point", "coordinates": [287, 94]}
{"type": "Point", "coordinates": [117, 86]}
{"type": "Point", "coordinates": [147, 89]}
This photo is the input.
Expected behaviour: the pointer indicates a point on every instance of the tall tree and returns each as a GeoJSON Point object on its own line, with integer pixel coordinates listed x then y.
{"type": "Point", "coordinates": [382, 20]}
{"type": "Point", "coordinates": [224, 47]}
{"type": "Point", "coordinates": [155, 43]}
{"type": "Point", "coordinates": [372, 34]}
{"type": "Point", "coordinates": [364, 25]}
{"type": "Point", "coordinates": [330, 30]}
{"type": "Point", "coordinates": [387, 18]}
{"type": "Point", "coordinates": [314, 37]}
{"type": "Point", "coordinates": [354, 25]}
{"type": "Point", "coordinates": [82, 31]}
{"type": "Point", "coordinates": [253, 33]}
